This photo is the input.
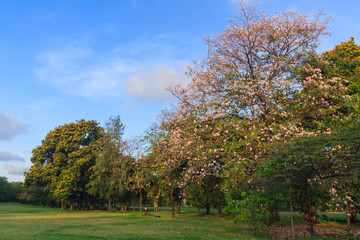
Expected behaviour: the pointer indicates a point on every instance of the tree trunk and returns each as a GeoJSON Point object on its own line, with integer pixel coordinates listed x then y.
{"type": "Point", "coordinates": [171, 190]}
{"type": "Point", "coordinates": [90, 206]}
{"type": "Point", "coordinates": [207, 207]}
{"type": "Point", "coordinates": [348, 215]}
{"type": "Point", "coordinates": [218, 205]}
{"type": "Point", "coordinates": [109, 205]}
{"type": "Point", "coordinates": [292, 214]}
{"type": "Point", "coordinates": [198, 208]}
{"type": "Point", "coordinates": [309, 211]}
{"type": "Point", "coordinates": [156, 202]}
{"type": "Point", "coordinates": [156, 206]}
{"type": "Point", "coordinates": [140, 201]}
{"type": "Point", "coordinates": [275, 215]}
{"type": "Point", "coordinates": [178, 206]}
{"type": "Point", "coordinates": [79, 205]}
{"type": "Point", "coordinates": [353, 215]}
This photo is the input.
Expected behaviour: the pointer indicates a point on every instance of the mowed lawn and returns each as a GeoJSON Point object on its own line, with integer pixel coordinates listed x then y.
{"type": "Point", "coordinates": [19, 221]}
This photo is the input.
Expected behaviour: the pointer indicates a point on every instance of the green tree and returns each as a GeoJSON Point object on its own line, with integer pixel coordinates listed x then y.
{"type": "Point", "coordinates": [106, 181]}
{"type": "Point", "coordinates": [61, 165]}
{"type": "Point", "coordinates": [4, 189]}
{"type": "Point", "coordinates": [139, 173]}
{"type": "Point", "coordinates": [9, 191]}
{"type": "Point", "coordinates": [346, 57]}
{"type": "Point", "coordinates": [311, 163]}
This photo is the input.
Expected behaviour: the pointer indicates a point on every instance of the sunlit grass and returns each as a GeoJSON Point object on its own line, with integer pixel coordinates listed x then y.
{"type": "Point", "coordinates": [18, 221]}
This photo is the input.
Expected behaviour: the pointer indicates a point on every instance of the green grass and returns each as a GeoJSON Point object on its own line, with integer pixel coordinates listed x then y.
{"type": "Point", "coordinates": [331, 217]}
{"type": "Point", "coordinates": [19, 221]}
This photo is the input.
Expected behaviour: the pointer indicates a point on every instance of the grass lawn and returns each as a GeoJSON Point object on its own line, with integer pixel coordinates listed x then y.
{"type": "Point", "coordinates": [19, 221]}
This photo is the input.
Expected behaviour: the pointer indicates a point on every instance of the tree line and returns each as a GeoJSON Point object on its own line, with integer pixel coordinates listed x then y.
{"type": "Point", "coordinates": [266, 124]}
{"type": "Point", "coordinates": [9, 191]}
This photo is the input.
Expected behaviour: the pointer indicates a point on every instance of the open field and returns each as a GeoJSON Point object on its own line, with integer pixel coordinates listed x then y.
{"type": "Point", "coordinates": [19, 221]}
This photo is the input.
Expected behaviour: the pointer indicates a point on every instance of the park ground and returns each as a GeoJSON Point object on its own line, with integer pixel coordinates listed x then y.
{"type": "Point", "coordinates": [20, 221]}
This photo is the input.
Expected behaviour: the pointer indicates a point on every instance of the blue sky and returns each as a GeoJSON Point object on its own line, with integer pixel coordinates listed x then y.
{"type": "Point", "coordinates": [62, 61]}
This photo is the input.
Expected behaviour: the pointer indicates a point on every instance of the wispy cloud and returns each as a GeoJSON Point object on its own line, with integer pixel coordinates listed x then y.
{"type": "Point", "coordinates": [152, 84]}
{"type": "Point", "coordinates": [7, 156]}
{"type": "Point", "coordinates": [74, 70]}
{"type": "Point", "coordinates": [13, 170]}
{"type": "Point", "coordinates": [10, 127]}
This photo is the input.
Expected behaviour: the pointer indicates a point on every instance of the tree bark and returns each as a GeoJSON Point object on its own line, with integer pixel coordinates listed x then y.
{"type": "Point", "coordinates": [348, 215]}
{"type": "Point", "coordinates": [156, 206]}
{"type": "Point", "coordinates": [207, 207]}
{"type": "Point", "coordinates": [178, 206]}
{"type": "Point", "coordinates": [309, 211]}
{"type": "Point", "coordinates": [90, 206]}
{"type": "Point", "coordinates": [198, 208]}
{"type": "Point", "coordinates": [140, 201]}
{"type": "Point", "coordinates": [109, 205]}
{"type": "Point", "coordinates": [171, 190]}
{"type": "Point", "coordinates": [353, 215]}
{"type": "Point", "coordinates": [292, 214]}
{"type": "Point", "coordinates": [218, 205]}
{"type": "Point", "coordinates": [156, 202]}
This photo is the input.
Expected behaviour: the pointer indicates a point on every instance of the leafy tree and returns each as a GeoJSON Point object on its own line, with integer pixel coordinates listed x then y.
{"type": "Point", "coordinates": [243, 96]}
{"type": "Point", "coordinates": [166, 161]}
{"type": "Point", "coordinates": [9, 191]}
{"type": "Point", "coordinates": [106, 180]}
{"type": "Point", "coordinates": [4, 189]}
{"type": "Point", "coordinates": [61, 165]}
{"type": "Point", "coordinates": [346, 57]}
{"type": "Point", "coordinates": [139, 175]}
{"type": "Point", "coordinates": [311, 163]}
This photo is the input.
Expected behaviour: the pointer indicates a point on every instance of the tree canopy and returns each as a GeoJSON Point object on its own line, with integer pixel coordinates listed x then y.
{"type": "Point", "coordinates": [62, 163]}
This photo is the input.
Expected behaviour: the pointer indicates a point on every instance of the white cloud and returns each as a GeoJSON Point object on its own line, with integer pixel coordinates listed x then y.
{"type": "Point", "coordinates": [72, 69]}
{"type": "Point", "coordinates": [152, 84]}
{"type": "Point", "coordinates": [6, 156]}
{"type": "Point", "coordinates": [10, 127]}
{"type": "Point", "coordinates": [75, 69]}
{"type": "Point", "coordinates": [13, 170]}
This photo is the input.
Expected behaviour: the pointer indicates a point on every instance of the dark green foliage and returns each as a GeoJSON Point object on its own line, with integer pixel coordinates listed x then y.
{"type": "Point", "coordinates": [109, 171]}
{"type": "Point", "coordinates": [9, 191]}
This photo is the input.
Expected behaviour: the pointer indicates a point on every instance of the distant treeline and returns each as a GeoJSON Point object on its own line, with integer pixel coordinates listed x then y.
{"type": "Point", "coordinates": [9, 191]}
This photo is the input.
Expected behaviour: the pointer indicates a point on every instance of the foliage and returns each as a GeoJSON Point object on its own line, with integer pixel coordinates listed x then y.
{"type": "Point", "coordinates": [9, 191]}
{"type": "Point", "coordinates": [108, 180]}
{"type": "Point", "coordinates": [346, 57]}
{"type": "Point", "coordinates": [61, 165]}
{"type": "Point", "coordinates": [312, 164]}
{"type": "Point", "coordinates": [139, 168]}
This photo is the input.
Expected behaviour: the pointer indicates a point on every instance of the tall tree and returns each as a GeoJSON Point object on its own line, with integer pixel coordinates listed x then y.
{"type": "Point", "coordinates": [106, 180]}
{"type": "Point", "coordinates": [139, 166]}
{"type": "Point", "coordinates": [244, 85]}
{"type": "Point", "coordinates": [61, 165]}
